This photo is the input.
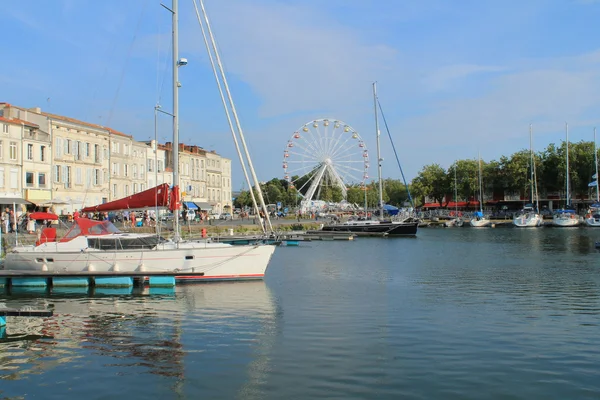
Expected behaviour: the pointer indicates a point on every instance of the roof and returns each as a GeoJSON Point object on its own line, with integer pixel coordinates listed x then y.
{"type": "Point", "coordinates": [67, 119]}
{"type": "Point", "coordinates": [18, 121]}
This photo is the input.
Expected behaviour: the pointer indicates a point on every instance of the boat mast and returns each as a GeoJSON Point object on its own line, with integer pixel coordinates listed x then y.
{"type": "Point", "coordinates": [568, 192]}
{"type": "Point", "coordinates": [480, 187]}
{"type": "Point", "coordinates": [455, 192]}
{"type": "Point", "coordinates": [596, 165]}
{"type": "Point", "coordinates": [531, 161]}
{"type": "Point", "coordinates": [379, 160]}
{"type": "Point", "coordinates": [176, 115]}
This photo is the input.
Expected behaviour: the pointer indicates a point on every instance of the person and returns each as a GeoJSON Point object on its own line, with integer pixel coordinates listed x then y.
{"type": "Point", "coordinates": [132, 215]}
{"type": "Point", "coordinates": [76, 215]}
{"type": "Point", "coordinates": [30, 224]}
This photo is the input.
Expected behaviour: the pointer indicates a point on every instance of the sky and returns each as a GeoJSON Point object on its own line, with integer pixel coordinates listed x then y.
{"type": "Point", "coordinates": [455, 78]}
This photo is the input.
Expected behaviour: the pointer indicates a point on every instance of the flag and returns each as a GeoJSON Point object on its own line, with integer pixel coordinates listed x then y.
{"type": "Point", "coordinates": [593, 184]}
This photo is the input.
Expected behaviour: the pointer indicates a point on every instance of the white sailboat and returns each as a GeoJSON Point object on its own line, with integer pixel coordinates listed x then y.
{"type": "Point", "coordinates": [529, 216]}
{"type": "Point", "coordinates": [99, 246]}
{"type": "Point", "coordinates": [592, 217]}
{"type": "Point", "coordinates": [457, 220]}
{"type": "Point", "coordinates": [566, 217]}
{"type": "Point", "coordinates": [479, 220]}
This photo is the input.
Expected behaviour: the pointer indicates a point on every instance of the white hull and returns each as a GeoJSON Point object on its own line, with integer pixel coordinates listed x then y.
{"type": "Point", "coordinates": [565, 222]}
{"type": "Point", "coordinates": [479, 223]}
{"type": "Point", "coordinates": [458, 222]}
{"type": "Point", "coordinates": [216, 261]}
{"type": "Point", "coordinates": [528, 221]}
{"type": "Point", "coordinates": [593, 222]}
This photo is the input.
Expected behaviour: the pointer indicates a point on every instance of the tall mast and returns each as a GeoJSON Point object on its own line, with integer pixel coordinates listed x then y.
{"type": "Point", "coordinates": [379, 160]}
{"type": "Point", "coordinates": [568, 191]}
{"type": "Point", "coordinates": [176, 113]}
{"type": "Point", "coordinates": [455, 192]}
{"type": "Point", "coordinates": [480, 186]}
{"type": "Point", "coordinates": [531, 161]}
{"type": "Point", "coordinates": [596, 165]}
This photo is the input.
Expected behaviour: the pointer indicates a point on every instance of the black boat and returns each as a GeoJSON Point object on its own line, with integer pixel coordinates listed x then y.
{"type": "Point", "coordinates": [375, 228]}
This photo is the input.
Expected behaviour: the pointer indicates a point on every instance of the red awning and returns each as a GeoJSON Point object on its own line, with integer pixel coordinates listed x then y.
{"type": "Point", "coordinates": [431, 205]}
{"type": "Point", "coordinates": [43, 215]}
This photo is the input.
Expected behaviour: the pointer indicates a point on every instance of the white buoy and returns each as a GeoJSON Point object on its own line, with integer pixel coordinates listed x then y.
{"type": "Point", "coordinates": [115, 267]}
{"type": "Point", "coordinates": [44, 267]}
{"type": "Point", "coordinates": [141, 267]}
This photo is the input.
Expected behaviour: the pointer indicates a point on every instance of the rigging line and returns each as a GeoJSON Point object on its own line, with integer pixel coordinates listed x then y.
{"type": "Point", "coordinates": [228, 115]}
{"type": "Point", "coordinates": [124, 69]}
{"type": "Point", "coordinates": [412, 204]}
{"type": "Point", "coordinates": [237, 121]}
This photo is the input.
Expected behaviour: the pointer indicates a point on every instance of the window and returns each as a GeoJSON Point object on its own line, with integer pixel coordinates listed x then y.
{"type": "Point", "coordinates": [42, 153]}
{"type": "Point", "coordinates": [14, 178]}
{"type": "Point", "coordinates": [78, 176]}
{"type": "Point", "coordinates": [57, 170]}
{"type": "Point", "coordinates": [42, 179]}
{"type": "Point", "coordinates": [97, 154]}
{"type": "Point", "coordinates": [88, 177]}
{"type": "Point", "coordinates": [160, 166]}
{"type": "Point", "coordinates": [126, 170]}
{"type": "Point", "coordinates": [135, 188]}
{"type": "Point", "coordinates": [5, 128]}
{"type": "Point", "coordinates": [67, 146]}
{"type": "Point", "coordinates": [87, 150]}
{"type": "Point", "coordinates": [66, 176]}
{"type": "Point", "coordinates": [142, 187]}
{"type": "Point", "coordinates": [13, 150]}
{"type": "Point", "coordinates": [58, 147]}
{"type": "Point", "coordinates": [150, 165]}
{"type": "Point", "coordinates": [76, 150]}
{"type": "Point", "coordinates": [142, 173]}
{"type": "Point", "coordinates": [1, 150]}
{"type": "Point", "coordinates": [2, 177]}
{"type": "Point", "coordinates": [30, 152]}
{"type": "Point", "coordinates": [97, 177]}
{"type": "Point", "coordinates": [29, 179]}
{"type": "Point", "coordinates": [126, 190]}
{"type": "Point", "coordinates": [114, 190]}
{"type": "Point", "coordinates": [135, 169]}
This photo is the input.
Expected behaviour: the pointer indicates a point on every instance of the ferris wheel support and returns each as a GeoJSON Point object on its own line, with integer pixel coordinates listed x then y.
{"type": "Point", "coordinates": [310, 193]}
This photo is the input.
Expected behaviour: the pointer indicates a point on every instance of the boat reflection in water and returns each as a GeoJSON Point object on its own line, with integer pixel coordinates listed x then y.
{"type": "Point", "coordinates": [139, 333]}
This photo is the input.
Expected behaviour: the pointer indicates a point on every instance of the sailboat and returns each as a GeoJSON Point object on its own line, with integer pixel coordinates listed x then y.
{"type": "Point", "coordinates": [529, 216]}
{"type": "Point", "coordinates": [380, 227]}
{"type": "Point", "coordinates": [593, 215]}
{"type": "Point", "coordinates": [98, 246]}
{"type": "Point", "coordinates": [457, 220]}
{"type": "Point", "coordinates": [479, 220]}
{"type": "Point", "coordinates": [567, 216]}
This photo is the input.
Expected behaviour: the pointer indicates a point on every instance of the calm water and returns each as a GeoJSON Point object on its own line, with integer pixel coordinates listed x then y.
{"type": "Point", "coordinates": [454, 314]}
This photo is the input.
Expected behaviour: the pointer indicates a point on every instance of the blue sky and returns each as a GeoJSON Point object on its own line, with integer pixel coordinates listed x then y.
{"type": "Point", "coordinates": [454, 78]}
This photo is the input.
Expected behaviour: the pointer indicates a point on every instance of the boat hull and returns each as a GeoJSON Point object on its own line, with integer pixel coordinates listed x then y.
{"type": "Point", "coordinates": [593, 222]}
{"type": "Point", "coordinates": [380, 229]}
{"type": "Point", "coordinates": [479, 223]}
{"type": "Point", "coordinates": [565, 222]}
{"type": "Point", "coordinates": [215, 263]}
{"type": "Point", "coordinates": [528, 222]}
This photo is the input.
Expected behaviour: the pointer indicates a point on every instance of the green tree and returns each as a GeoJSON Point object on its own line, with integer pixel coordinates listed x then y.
{"type": "Point", "coordinates": [432, 181]}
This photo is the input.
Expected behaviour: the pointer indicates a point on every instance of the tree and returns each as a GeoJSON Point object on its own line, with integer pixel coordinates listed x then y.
{"type": "Point", "coordinates": [432, 181]}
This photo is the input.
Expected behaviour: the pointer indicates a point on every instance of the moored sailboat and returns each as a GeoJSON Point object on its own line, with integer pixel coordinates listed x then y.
{"type": "Point", "coordinates": [99, 246]}
{"type": "Point", "coordinates": [566, 217]}
{"type": "Point", "coordinates": [592, 217]}
{"type": "Point", "coordinates": [529, 216]}
{"type": "Point", "coordinates": [380, 227]}
{"type": "Point", "coordinates": [479, 220]}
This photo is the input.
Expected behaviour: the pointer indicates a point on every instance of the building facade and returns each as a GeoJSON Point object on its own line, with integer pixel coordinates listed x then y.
{"type": "Point", "coordinates": [58, 161]}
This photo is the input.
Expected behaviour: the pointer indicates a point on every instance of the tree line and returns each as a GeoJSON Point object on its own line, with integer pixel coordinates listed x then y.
{"type": "Point", "coordinates": [509, 174]}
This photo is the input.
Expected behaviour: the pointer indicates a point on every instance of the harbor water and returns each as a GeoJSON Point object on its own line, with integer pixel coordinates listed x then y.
{"type": "Point", "coordinates": [457, 313]}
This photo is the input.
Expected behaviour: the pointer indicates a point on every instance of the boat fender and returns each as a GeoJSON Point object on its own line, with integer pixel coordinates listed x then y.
{"type": "Point", "coordinates": [91, 267]}
{"type": "Point", "coordinates": [115, 267]}
{"type": "Point", "coordinates": [141, 267]}
{"type": "Point", "coordinates": [203, 232]}
{"type": "Point", "coordinates": [44, 267]}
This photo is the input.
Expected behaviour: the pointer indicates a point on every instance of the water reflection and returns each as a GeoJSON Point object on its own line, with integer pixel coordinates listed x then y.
{"type": "Point", "coordinates": [139, 332]}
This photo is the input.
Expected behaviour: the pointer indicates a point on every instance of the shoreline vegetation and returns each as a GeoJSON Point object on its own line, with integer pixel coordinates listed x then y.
{"type": "Point", "coordinates": [507, 176]}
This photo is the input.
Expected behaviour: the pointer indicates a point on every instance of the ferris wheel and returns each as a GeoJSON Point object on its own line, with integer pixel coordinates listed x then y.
{"type": "Point", "coordinates": [325, 152]}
